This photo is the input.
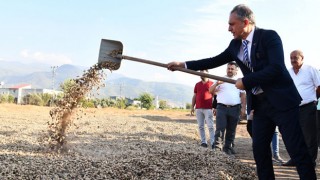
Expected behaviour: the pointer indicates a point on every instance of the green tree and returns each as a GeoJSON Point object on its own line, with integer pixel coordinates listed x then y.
{"type": "Point", "coordinates": [71, 88]}
{"type": "Point", "coordinates": [104, 103]}
{"type": "Point", "coordinates": [146, 100]}
{"type": "Point", "coordinates": [121, 103]}
{"type": "Point", "coordinates": [111, 102]}
{"type": "Point", "coordinates": [163, 104]}
{"type": "Point", "coordinates": [188, 106]}
{"type": "Point", "coordinates": [67, 85]}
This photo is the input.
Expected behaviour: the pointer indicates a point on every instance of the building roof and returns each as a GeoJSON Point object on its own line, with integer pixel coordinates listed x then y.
{"type": "Point", "coordinates": [21, 86]}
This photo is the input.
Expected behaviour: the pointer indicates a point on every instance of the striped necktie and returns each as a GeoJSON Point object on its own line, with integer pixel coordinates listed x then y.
{"type": "Point", "coordinates": [246, 61]}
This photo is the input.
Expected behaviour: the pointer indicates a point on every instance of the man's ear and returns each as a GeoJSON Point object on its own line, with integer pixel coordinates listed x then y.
{"type": "Point", "coordinates": [246, 22]}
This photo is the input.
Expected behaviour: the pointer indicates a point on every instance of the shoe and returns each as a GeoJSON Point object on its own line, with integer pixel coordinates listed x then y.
{"type": "Point", "coordinates": [278, 159]}
{"type": "Point", "coordinates": [289, 163]}
{"type": "Point", "coordinates": [216, 147]}
{"type": "Point", "coordinates": [232, 151]}
{"type": "Point", "coordinates": [204, 145]}
{"type": "Point", "coordinates": [227, 151]}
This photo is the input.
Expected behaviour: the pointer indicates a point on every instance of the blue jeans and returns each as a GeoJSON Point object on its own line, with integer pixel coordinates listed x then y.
{"type": "Point", "coordinates": [205, 116]}
{"type": "Point", "coordinates": [275, 142]}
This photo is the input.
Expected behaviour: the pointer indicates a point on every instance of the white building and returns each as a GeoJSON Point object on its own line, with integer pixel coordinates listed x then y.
{"type": "Point", "coordinates": [19, 91]}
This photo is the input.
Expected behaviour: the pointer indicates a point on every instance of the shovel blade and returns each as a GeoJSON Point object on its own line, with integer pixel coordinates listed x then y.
{"type": "Point", "coordinates": [109, 54]}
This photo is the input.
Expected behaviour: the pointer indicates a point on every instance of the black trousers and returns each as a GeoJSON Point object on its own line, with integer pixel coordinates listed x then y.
{"type": "Point", "coordinates": [265, 119]}
{"type": "Point", "coordinates": [226, 124]}
{"type": "Point", "coordinates": [318, 127]}
{"type": "Point", "coordinates": [249, 127]}
{"type": "Point", "coordinates": [308, 123]}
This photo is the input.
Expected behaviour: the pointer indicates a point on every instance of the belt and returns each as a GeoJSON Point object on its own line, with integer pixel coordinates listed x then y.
{"type": "Point", "coordinates": [310, 103]}
{"type": "Point", "coordinates": [228, 105]}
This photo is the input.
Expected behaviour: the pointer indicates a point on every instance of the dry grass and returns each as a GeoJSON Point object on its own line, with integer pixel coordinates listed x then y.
{"type": "Point", "coordinates": [110, 144]}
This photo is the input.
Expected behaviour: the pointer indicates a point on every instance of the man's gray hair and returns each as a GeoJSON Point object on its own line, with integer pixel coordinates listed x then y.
{"type": "Point", "coordinates": [243, 11]}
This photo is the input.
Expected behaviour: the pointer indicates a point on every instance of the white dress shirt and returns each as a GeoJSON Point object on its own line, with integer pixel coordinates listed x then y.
{"type": "Point", "coordinates": [228, 94]}
{"type": "Point", "coordinates": [306, 81]}
{"type": "Point", "coordinates": [249, 39]}
{"type": "Point", "coordinates": [240, 53]}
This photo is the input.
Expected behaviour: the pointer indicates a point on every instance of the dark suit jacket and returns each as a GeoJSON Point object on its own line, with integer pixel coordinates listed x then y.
{"type": "Point", "coordinates": [270, 72]}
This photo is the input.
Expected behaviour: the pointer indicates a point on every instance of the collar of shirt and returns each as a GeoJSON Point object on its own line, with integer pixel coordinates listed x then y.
{"type": "Point", "coordinates": [233, 77]}
{"type": "Point", "coordinates": [301, 68]}
{"type": "Point", "coordinates": [249, 39]}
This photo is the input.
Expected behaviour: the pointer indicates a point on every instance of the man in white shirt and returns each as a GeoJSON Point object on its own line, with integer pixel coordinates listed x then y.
{"type": "Point", "coordinates": [307, 80]}
{"type": "Point", "coordinates": [230, 101]}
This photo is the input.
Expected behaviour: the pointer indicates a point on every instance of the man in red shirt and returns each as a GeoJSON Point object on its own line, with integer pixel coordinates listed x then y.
{"type": "Point", "coordinates": [202, 102]}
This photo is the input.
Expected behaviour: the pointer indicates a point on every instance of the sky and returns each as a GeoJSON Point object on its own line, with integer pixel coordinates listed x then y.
{"type": "Point", "coordinates": [70, 31]}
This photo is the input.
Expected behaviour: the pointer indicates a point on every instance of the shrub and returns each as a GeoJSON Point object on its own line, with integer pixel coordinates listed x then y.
{"type": "Point", "coordinates": [35, 99]}
{"type": "Point", "coordinates": [121, 103]}
{"type": "Point", "coordinates": [131, 108]}
{"type": "Point", "coordinates": [46, 99]}
{"type": "Point", "coordinates": [10, 98]}
{"type": "Point", "coordinates": [38, 99]}
{"type": "Point", "coordinates": [6, 98]}
{"type": "Point", "coordinates": [87, 103]}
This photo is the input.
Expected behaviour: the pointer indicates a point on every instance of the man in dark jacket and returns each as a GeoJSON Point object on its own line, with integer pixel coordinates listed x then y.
{"type": "Point", "coordinates": [271, 92]}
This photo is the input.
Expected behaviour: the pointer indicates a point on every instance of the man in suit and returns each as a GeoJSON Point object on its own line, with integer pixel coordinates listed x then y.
{"type": "Point", "coordinates": [271, 92]}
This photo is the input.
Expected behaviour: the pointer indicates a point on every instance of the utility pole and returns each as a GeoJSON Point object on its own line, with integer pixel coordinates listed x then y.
{"type": "Point", "coordinates": [53, 68]}
{"type": "Point", "coordinates": [120, 86]}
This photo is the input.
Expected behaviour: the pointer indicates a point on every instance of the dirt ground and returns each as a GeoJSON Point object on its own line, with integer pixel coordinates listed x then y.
{"type": "Point", "coordinates": [120, 144]}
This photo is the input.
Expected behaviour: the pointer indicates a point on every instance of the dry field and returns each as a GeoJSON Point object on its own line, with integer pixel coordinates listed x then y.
{"type": "Point", "coordinates": [119, 144]}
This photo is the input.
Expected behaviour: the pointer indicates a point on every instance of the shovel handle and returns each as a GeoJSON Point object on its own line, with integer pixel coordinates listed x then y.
{"type": "Point", "coordinates": [178, 69]}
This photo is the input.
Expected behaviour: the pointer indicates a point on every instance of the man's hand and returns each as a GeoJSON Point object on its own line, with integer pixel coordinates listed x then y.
{"type": "Point", "coordinates": [214, 111]}
{"type": "Point", "coordinates": [219, 82]}
{"type": "Point", "coordinates": [251, 115]}
{"type": "Point", "coordinates": [192, 112]}
{"type": "Point", "coordinates": [171, 66]}
{"type": "Point", "coordinates": [239, 84]}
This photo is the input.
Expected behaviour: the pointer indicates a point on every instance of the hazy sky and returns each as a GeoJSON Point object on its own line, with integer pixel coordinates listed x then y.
{"type": "Point", "coordinates": [69, 31]}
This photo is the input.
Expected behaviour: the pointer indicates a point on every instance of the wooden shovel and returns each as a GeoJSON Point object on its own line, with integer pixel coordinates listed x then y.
{"type": "Point", "coordinates": [110, 57]}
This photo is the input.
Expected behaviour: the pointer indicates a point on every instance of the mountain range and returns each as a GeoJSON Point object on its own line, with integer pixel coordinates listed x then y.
{"type": "Point", "coordinates": [41, 76]}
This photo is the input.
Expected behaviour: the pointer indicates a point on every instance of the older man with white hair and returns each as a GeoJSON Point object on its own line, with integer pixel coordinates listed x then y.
{"type": "Point", "coordinates": [307, 80]}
